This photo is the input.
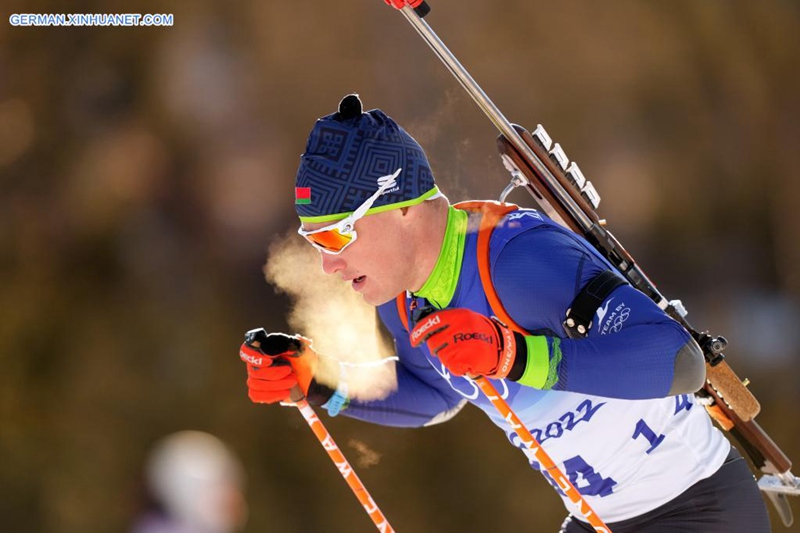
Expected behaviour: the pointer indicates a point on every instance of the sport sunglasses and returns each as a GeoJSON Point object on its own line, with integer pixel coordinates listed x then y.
{"type": "Point", "coordinates": [335, 238]}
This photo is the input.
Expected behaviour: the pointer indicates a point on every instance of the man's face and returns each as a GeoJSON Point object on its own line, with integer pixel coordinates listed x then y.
{"type": "Point", "coordinates": [378, 264]}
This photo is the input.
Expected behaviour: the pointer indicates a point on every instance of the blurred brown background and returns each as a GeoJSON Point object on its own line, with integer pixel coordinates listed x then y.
{"type": "Point", "coordinates": [144, 171]}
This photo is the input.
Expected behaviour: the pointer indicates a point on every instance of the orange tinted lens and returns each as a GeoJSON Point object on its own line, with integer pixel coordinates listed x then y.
{"type": "Point", "coordinates": [330, 240]}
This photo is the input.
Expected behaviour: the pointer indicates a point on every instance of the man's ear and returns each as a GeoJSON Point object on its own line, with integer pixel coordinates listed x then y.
{"type": "Point", "coordinates": [412, 209]}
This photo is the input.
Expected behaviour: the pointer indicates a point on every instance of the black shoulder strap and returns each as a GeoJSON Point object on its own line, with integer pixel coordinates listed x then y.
{"type": "Point", "coordinates": [578, 321]}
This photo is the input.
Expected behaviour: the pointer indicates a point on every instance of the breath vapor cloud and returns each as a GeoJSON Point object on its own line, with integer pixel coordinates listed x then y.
{"type": "Point", "coordinates": [342, 326]}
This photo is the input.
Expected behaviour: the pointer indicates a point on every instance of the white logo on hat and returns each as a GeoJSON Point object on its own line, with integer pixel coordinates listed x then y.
{"type": "Point", "coordinates": [392, 183]}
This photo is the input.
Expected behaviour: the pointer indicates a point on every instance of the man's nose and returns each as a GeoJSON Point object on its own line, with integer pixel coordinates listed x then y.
{"type": "Point", "coordinates": [331, 264]}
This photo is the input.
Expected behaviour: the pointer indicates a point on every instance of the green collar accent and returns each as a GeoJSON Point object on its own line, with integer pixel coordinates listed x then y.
{"type": "Point", "coordinates": [441, 284]}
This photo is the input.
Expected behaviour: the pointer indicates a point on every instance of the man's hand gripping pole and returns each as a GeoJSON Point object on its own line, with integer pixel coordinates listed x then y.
{"type": "Point", "coordinates": [297, 399]}
{"type": "Point", "coordinates": [424, 334]}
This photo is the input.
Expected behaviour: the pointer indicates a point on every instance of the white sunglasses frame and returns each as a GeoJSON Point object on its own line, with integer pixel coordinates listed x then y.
{"type": "Point", "coordinates": [347, 226]}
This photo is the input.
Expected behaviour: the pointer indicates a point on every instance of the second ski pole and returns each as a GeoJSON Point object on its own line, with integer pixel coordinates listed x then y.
{"type": "Point", "coordinates": [542, 457]}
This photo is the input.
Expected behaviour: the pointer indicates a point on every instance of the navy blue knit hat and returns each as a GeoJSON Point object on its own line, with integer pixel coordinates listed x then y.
{"type": "Point", "coordinates": [345, 155]}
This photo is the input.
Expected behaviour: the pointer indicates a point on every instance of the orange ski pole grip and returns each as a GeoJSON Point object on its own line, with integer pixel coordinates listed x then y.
{"type": "Point", "coordinates": [541, 456]}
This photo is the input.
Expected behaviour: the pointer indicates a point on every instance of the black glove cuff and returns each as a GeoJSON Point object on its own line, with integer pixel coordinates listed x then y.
{"type": "Point", "coordinates": [319, 394]}
{"type": "Point", "coordinates": [520, 359]}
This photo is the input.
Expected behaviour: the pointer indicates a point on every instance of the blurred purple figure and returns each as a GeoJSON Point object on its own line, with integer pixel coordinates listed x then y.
{"type": "Point", "coordinates": [196, 484]}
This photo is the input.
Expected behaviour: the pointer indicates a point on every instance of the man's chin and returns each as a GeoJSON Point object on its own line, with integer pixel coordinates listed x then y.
{"type": "Point", "coordinates": [376, 300]}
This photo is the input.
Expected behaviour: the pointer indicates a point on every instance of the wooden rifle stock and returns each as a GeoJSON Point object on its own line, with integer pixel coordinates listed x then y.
{"type": "Point", "coordinates": [732, 404]}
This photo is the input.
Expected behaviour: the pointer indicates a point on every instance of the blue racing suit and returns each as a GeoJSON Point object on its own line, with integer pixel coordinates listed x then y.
{"type": "Point", "coordinates": [607, 420]}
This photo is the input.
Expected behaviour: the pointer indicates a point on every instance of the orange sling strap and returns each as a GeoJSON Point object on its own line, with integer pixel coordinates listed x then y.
{"type": "Point", "coordinates": [491, 213]}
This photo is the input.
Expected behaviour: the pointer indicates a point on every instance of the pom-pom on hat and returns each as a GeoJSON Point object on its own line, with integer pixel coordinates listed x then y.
{"type": "Point", "coordinates": [345, 155]}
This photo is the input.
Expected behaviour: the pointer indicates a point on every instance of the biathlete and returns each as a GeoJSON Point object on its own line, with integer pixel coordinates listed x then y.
{"type": "Point", "coordinates": [614, 408]}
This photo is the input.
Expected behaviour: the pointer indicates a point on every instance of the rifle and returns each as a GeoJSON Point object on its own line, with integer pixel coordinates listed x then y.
{"type": "Point", "coordinates": [560, 189]}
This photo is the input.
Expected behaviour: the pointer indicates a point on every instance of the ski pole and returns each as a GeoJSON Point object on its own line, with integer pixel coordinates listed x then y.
{"type": "Point", "coordinates": [297, 398]}
{"type": "Point", "coordinates": [338, 458]}
{"type": "Point", "coordinates": [541, 456]}
{"type": "Point", "coordinates": [508, 414]}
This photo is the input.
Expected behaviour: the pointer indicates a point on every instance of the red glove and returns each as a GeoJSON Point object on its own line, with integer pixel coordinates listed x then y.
{"type": "Point", "coordinates": [276, 364]}
{"type": "Point", "coordinates": [400, 4]}
{"type": "Point", "coordinates": [468, 343]}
